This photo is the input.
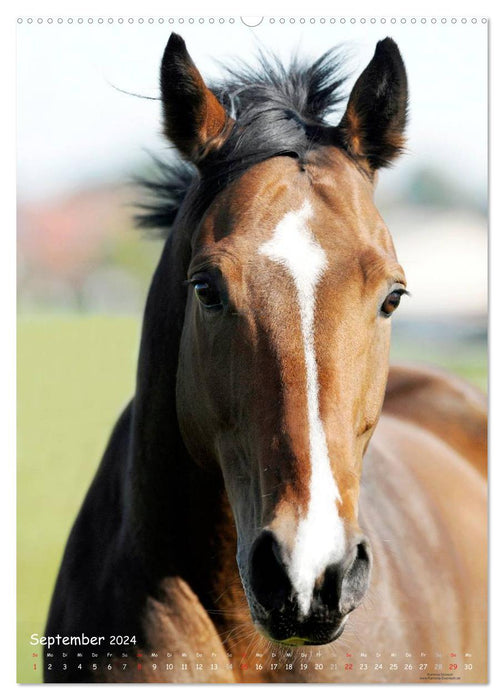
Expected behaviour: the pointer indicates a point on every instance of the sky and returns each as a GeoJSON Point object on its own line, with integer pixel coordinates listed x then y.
{"type": "Point", "coordinates": [74, 127]}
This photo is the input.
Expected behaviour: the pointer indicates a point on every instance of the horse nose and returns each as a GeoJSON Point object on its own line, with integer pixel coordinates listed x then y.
{"type": "Point", "coordinates": [338, 589]}
{"type": "Point", "coordinates": [269, 579]}
{"type": "Point", "coordinates": [344, 584]}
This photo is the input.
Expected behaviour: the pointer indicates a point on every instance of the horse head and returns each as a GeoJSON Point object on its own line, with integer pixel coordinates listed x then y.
{"type": "Point", "coordinates": [291, 281]}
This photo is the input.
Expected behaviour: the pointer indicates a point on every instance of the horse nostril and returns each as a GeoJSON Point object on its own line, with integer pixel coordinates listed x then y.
{"type": "Point", "coordinates": [330, 591]}
{"type": "Point", "coordinates": [268, 576]}
{"type": "Point", "coordinates": [363, 552]}
{"type": "Point", "coordinates": [344, 584]}
{"type": "Point", "coordinates": [356, 579]}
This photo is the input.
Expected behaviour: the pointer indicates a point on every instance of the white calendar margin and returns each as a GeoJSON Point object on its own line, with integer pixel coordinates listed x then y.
{"type": "Point", "coordinates": [428, 8]}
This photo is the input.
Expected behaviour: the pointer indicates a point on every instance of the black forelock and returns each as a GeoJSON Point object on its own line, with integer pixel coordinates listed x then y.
{"type": "Point", "coordinates": [277, 110]}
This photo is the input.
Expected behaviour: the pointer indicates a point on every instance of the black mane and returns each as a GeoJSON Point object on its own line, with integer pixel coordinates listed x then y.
{"type": "Point", "coordinates": [278, 110]}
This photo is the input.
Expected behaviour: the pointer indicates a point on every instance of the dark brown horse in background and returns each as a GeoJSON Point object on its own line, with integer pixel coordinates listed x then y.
{"type": "Point", "coordinates": [240, 507]}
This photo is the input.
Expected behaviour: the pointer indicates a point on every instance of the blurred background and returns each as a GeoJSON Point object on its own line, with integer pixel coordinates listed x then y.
{"type": "Point", "coordinates": [84, 270]}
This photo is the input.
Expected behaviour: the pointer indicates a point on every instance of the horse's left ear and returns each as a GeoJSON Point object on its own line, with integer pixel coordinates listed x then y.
{"type": "Point", "coordinates": [372, 128]}
{"type": "Point", "coordinates": [194, 119]}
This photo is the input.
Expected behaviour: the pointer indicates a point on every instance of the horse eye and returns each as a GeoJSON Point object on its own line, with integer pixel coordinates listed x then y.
{"type": "Point", "coordinates": [207, 294]}
{"type": "Point", "coordinates": [392, 302]}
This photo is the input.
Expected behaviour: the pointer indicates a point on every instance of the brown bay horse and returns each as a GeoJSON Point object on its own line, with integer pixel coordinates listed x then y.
{"type": "Point", "coordinates": [242, 521]}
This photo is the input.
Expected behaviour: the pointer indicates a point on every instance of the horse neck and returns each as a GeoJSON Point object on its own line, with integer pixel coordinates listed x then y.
{"type": "Point", "coordinates": [180, 514]}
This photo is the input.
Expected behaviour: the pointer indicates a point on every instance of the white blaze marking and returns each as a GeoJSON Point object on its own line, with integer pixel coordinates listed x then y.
{"type": "Point", "coordinates": [320, 537]}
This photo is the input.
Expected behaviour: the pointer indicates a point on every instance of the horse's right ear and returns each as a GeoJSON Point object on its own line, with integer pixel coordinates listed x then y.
{"type": "Point", "coordinates": [194, 119]}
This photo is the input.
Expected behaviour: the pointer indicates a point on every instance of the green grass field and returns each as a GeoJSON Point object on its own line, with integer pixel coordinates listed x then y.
{"type": "Point", "coordinates": [75, 374]}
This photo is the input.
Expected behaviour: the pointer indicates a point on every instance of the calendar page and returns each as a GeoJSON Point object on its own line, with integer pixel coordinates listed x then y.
{"type": "Point", "coordinates": [252, 360]}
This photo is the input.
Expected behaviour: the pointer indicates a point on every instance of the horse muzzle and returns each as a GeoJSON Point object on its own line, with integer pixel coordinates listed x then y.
{"type": "Point", "coordinates": [276, 608]}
